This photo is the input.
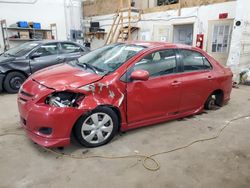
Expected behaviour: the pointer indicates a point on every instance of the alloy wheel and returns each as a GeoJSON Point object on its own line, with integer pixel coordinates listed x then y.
{"type": "Point", "coordinates": [97, 128]}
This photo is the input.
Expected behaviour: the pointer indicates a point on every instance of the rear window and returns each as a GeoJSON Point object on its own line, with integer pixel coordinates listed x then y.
{"type": "Point", "coordinates": [194, 61]}
{"type": "Point", "coordinates": [70, 48]}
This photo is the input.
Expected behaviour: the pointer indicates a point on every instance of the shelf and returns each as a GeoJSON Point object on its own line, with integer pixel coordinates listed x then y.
{"type": "Point", "coordinates": [17, 39]}
{"type": "Point", "coordinates": [26, 29]}
{"type": "Point", "coordinates": [98, 35]}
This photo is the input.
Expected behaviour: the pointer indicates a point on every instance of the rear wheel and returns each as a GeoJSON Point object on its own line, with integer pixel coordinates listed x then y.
{"type": "Point", "coordinates": [210, 103]}
{"type": "Point", "coordinates": [215, 100]}
{"type": "Point", "coordinates": [97, 128]}
{"type": "Point", "coordinates": [13, 81]}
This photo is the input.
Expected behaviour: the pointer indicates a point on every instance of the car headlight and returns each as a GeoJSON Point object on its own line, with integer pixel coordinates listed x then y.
{"type": "Point", "coordinates": [64, 99]}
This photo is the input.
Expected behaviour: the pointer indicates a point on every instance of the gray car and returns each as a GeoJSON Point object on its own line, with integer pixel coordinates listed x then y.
{"type": "Point", "coordinates": [19, 62]}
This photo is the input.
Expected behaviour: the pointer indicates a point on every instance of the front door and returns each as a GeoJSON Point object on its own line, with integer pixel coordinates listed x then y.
{"type": "Point", "coordinates": [219, 39]}
{"type": "Point", "coordinates": [158, 96]}
{"type": "Point", "coordinates": [46, 55]}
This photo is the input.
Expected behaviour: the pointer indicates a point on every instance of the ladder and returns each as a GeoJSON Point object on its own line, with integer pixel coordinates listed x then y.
{"type": "Point", "coordinates": [124, 24]}
{"type": "Point", "coordinates": [4, 29]}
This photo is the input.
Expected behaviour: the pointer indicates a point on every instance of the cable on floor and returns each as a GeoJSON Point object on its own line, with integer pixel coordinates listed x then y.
{"type": "Point", "coordinates": [11, 133]}
{"type": "Point", "coordinates": [146, 158]}
{"type": "Point", "coordinates": [155, 165]}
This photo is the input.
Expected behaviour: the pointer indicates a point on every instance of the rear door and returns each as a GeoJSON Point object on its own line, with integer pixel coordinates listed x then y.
{"type": "Point", "coordinates": [46, 55]}
{"type": "Point", "coordinates": [196, 80]}
{"type": "Point", "coordinates": [160, 95]}
{"type": "Point", "coordinates": [70, 51]}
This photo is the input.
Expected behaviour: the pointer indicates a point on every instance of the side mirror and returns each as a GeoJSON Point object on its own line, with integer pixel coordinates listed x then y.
{"type": "Point", "coordinates": [140, 75]}
{"type": "Point", "coordinates": [35, 55]}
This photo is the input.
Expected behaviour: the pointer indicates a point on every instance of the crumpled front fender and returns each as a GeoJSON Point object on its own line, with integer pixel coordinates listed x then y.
{"type": "Point", "coordinates": [104, 93]}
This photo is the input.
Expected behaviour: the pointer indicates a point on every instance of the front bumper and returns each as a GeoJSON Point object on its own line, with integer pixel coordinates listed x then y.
{"type": "Point", "coordinates": [35, 115]}
{"type": "Point", "coordinates": [59, 120]}
{"type": "Point", "coordinates": [1, 81]}
{"type": "Point", "coordinates": [47, 142]}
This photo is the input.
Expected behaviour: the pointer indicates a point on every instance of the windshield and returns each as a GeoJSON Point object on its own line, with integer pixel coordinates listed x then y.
{"type": "Point", "coordinates": [109, 58]}
{"type": "Point", "coordinates": [21, 49]}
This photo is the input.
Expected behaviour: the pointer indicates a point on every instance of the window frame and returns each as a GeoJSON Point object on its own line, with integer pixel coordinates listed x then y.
{"type": "Point", "coordinates": [61, 48]}
{"type": "Point", "coordinates": [126, 76]}
{"type": "Point", "coordinates": [229, 34]}
{"type": "Point", "coordinates": [40, 46]}
{"type": "Point", "coordinates": [182, 70]}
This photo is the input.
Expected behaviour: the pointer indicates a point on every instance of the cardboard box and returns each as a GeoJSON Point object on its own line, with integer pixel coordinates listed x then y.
{"type": "Point", "coordinates": [22, 24]}
{"type": "Point", "coordinates": [48, 35]}
{"type": "Point", "coordinates": [38, 35]}
{"type": "Point", "coordinates": [24, 34]}
{"type": "Point", "coordinates": [35, 25]}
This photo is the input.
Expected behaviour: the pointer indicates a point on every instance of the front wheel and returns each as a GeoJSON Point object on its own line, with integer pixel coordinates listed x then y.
{"type": "Point", "coordinates": [13, 82]}
{"type": "Point", "coordinates": [97, 128]}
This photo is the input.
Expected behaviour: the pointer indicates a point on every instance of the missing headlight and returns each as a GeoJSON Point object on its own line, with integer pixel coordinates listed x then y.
{"type": "Point", "coordinates": [64, 99]}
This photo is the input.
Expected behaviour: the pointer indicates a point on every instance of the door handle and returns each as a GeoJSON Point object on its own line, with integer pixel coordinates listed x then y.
{"type": "Point", "coordinates": [60, 59]}
{"type": "Point", "coordinates": [175, 83]}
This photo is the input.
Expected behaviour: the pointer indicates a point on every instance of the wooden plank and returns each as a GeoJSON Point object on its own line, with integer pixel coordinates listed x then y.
{"type": "Point", "coordinates": [129, 20]}
{"type": "Point", "coordinates": [111, 29]}
{"type": "Point", "coordinates": [102, 7]}
{"type": "Point", "coordinates": [183, 4]}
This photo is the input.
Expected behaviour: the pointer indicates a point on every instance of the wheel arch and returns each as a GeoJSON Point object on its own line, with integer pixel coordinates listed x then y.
{"type": "Point", "coordinates": [22, 72]}
{"type": "Point", "coordinates": [219, 94]}
{"type": "Point", "coordinates": [117, 111]}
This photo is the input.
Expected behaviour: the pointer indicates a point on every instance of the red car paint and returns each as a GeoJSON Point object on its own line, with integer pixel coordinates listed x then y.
{"type": "Point", "coordinates": [139, 103]}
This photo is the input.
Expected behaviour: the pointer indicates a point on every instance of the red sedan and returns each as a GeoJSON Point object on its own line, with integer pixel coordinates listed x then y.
{"type": "Point", "coordinates": [119, 87]}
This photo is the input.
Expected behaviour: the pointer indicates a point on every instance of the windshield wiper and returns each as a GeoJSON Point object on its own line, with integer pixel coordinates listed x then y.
{"type": "Point", "coordinates": [86, 65]}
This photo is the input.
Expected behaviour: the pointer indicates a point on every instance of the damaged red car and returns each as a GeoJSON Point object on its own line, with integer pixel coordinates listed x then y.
{"type": "Point", "coordinates": [120, 87]}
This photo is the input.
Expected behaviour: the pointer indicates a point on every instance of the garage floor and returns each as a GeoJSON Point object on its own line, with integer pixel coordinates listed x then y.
{"type": "Point", "coordinates": [223, 162]}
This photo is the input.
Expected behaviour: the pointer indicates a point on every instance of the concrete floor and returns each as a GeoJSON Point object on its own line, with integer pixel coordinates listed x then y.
{"type": "Point", "coordinates": [224, 162]}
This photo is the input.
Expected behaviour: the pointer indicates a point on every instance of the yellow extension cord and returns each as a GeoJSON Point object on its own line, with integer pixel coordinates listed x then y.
{"type": "Point", "coordinates": [146, 158]}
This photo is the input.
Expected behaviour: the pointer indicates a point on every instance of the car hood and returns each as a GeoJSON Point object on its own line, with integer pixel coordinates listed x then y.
{"type": "Point", "coordinates": [6, 59]}
{"type": "Point", "coordinates": [65, 76]}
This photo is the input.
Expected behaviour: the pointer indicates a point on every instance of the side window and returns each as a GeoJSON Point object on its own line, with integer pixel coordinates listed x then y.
{"type": "Point", "coordinates": [158, 63]}
{"type": "Point", "coordinates": [70, 48]}
{"type": "Point", "coordinates": [48, 49]}
{"type": "Point", "coordinates": [194, 61]}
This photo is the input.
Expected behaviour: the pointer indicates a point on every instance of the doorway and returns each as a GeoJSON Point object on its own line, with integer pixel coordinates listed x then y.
{"type": "Point", "coordinates": [219, 38]}
{"type": "Point", "coordinates": [183, 34]}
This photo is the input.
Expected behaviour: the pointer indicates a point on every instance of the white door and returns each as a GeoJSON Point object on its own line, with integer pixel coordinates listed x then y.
{"type": "Point", "coordinates": [219, 38]}
{"type": "Point", "coordinates": [183, 34]}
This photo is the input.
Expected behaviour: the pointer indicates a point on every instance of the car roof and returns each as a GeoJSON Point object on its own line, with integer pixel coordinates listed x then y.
{"type": "Point", "coordinates": [52, 41]}
{"type": "Point", "coordinates": [152, 44]}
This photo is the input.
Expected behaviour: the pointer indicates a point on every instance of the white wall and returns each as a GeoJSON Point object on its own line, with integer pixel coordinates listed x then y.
{"type": "Point", "coordinates": [239, 56]}
{"type": "Point", "coordinates": [65, 13]}
{"type": "Point", "coordinates": [199, 16]}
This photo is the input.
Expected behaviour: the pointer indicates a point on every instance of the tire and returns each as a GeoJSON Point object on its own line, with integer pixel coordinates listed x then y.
{"type": "Point", "coordinates": [90, 132]}
{"type": "Point", "coordinates": [210, 103]}
{"type": "Point", "coordinates": [13, 82]}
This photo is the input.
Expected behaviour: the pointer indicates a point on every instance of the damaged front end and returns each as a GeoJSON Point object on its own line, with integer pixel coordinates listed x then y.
{"type": "Point", "coordinates": [103, 93]}
{"type": "Point", "coordinates": [64, 99]}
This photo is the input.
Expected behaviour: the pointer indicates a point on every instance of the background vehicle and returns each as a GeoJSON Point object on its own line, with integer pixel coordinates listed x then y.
{"type": "Point", "coordinates": [18, 63]}
{"type": "Point", "coordinates": [120, 87]}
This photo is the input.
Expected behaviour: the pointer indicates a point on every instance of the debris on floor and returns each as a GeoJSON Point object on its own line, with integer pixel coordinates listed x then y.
{"type": "Point", "coordinates": [245, 77]}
